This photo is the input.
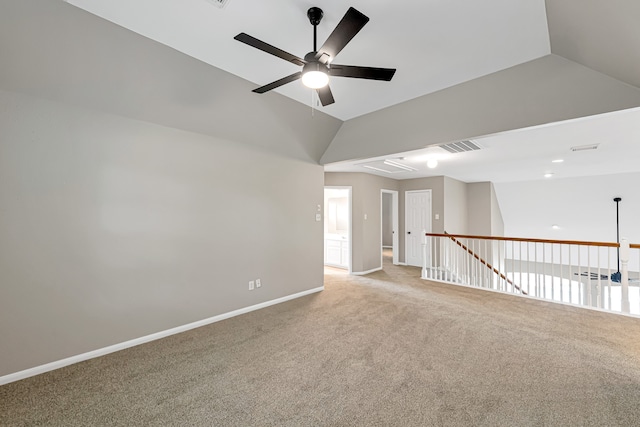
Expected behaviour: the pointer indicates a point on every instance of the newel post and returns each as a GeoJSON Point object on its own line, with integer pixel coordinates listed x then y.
{"type": "Point", "coordinates": [624, 280]}
{"type": "Point", "coordinates": [424, 254]}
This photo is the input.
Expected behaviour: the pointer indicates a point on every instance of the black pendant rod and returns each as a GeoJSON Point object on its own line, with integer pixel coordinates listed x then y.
{"type": "Point", "coordinates": [315, 15]}
{"type": "Point", "coordinates": [617, 200]}
{"type": "Point", "coordinates": [315, 38]}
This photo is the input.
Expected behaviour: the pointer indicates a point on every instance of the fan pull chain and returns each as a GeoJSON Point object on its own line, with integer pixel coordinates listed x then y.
{"type": "Point", "coordinates": [314, 97]}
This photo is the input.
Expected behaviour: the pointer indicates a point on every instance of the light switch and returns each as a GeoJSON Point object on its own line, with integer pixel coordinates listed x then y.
{"type": "Point", "coordinates": [437, 216]}
{"type": "Point", "coordinates": [318, 217]}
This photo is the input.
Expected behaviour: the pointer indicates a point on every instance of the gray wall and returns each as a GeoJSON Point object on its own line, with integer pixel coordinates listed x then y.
{"type": "Point", "coordinates": [112, 229]}
{"type": "Point", "coordinates": [366, 199]}
{"type": "Point", "coordinates": [462, 208]}
{"type": "Point", "coordinates": [484, 217]}
{"type": "Point", "coordinates": [140, 189]}
{"type": "Point", "coordinates": [479, 214]}
{"type": "Point", "coordinates": [53, 50]}
{"type": "Point", "coordinates": [366, 244]}
{"type": "Point", "coordinates": [387, 219]}
{"type": "Point", "coordinates": [546, 90]}
{"type": "Point", "coordinates": [455, 206]}
{"type": "Point", "coordinates": [497, 222]}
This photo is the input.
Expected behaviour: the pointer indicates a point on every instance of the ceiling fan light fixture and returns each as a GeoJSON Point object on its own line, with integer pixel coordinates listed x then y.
{"type": "Point", "coordinates": [315, 75]}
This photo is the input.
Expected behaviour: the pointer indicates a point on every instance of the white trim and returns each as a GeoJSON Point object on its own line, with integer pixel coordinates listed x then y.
{"type": "Point", "coordinates": [402, 263]}
{"type": "Point", "coordinates": [512, 294]}
{"type": "Point", "coordinates": [350, 190]}
{"type": "Point", "coordinates": [147, 338]}
{"type": "Point", "coordinates": [362, 273]}
{"type": "Point", "coordinates": [387, 247]}
{"type": "Point", "coordinates": [429, 222]}
{"type": "Point", "coordinates": [395, 239]}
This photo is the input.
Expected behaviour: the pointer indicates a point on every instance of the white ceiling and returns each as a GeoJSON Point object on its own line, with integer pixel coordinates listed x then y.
{"type": "Point", "coordinates": [433, 44]}
{"type": "Point", "coordinates": [527, 154]}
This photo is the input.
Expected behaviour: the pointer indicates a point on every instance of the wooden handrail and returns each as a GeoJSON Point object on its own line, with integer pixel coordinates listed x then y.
{"type": "Point", "coordinates": [519, 239]}
{"type": "Point", "coordinates": [482, 261]}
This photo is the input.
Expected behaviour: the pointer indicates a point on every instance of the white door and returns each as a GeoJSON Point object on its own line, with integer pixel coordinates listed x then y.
{"type": "Point", "coordinates": [417, 221]}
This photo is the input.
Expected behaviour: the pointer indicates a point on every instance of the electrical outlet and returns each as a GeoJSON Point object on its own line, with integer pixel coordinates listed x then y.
{"type": "Point", "coordinates": [258, 283]}
{"type": "Point", "coordinates": [251, 285]}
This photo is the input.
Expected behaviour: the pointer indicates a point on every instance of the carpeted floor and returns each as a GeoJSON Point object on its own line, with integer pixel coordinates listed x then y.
{"type": "Point", "coordinates": [386, 349]}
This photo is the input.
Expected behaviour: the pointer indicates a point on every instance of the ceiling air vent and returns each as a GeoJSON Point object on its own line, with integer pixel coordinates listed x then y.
{"type": "Point", "coordinates": [219, 3]}
{"type": "Point", "coordinates": [461, 146]}
{"type": "Point", "coordinates": [387, 166]}
{"type": "Point", "coordinates": [585, 147]}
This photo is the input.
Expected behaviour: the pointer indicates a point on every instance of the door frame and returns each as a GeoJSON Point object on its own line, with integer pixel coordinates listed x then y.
{"type": "Point", "coordinates": [394, 225]}
{"type": "Point", "coordinates": [350, 221]}
{"type": "Point", "coordinates": [429, 222]}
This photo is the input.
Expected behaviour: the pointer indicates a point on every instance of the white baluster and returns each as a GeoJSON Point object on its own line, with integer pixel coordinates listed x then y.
{"type": "Point", "coordinates": [624, 265]}
{"type": "Point", "coordinates": [424, 254]}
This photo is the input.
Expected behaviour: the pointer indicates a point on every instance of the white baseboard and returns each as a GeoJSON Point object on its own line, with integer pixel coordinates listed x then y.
{"type": "Point", "coordinates": [402, 263]}
{"type": "Point", "coordinates": [387, 247]}
{"type": "Point", "coordinates": [516, 295]}
{"type": "Point", "coordinates": [145, 339]}
{"type": "Point", "coordinates": [362, 273]}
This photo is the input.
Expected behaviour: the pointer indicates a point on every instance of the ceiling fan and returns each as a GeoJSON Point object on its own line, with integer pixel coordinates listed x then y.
{"type": "Point", "coordinates": [317, 65]}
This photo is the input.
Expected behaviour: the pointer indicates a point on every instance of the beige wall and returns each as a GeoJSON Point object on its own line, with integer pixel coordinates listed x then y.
{"type": "Point", "coordinates": [387, 219]}
{"type": "Point", "coordinates": [479, 214]}
{"type": "Point", "coordinates": [497, 222]}
{"type": "Point", "coordinates": [546, 90]}
{"type": "Point", "coordinates": [462, 208]}
{"type": "Point", "coordinates": [140, 189]}
{"type": "Point", "coordinates": [484, 216]}
{"type": "Point", "coordinates": [455, 206]}
{"type": "Point", "coordinates": [366, 199]}
{"type": "Point", "coordinates": [112, 229]}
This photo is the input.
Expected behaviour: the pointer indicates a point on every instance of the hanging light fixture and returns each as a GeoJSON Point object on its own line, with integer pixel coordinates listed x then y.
{"type": "Point", "coordinates": [315, 75]}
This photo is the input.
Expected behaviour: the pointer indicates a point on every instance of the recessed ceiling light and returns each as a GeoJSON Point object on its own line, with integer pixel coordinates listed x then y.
{"type": "Point", "coordinates": [548, 175]}
{"type": "Point", "coordinates": [557, 161]}
{"type": "Point", "coordinates": [555, 227]}
{"type": "Point", "coordinates": [432, 163]}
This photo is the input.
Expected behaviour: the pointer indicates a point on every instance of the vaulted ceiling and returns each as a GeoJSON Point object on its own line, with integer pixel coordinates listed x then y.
{"type": "Point", "coordinates": [466, 70]}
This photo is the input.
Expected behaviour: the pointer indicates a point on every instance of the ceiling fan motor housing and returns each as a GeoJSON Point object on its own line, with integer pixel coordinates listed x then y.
{"type": "Point", "coordinates": [315, 15]}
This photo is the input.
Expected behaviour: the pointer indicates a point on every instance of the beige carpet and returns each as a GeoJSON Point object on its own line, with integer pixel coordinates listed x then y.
{"type": "Point", "coordinates": [387, 349]}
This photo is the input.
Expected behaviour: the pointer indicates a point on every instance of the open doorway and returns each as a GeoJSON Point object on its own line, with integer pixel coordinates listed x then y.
{"type": "Point", "coordinates": [337, 227]}
{"type": "Point", "coordinates": [389, 226]}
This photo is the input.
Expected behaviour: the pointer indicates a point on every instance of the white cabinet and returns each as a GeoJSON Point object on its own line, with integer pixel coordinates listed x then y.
{"type": "Point", "coordinates": [336, 252]}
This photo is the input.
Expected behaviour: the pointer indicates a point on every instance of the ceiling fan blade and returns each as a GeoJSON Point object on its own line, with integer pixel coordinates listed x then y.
{"type": "Point", "coordinates": [351, 23]}
{"type": "Point", "coordinates": [265, 47]}
{"type": "Point", "coordinates": [325, 95]}
{"type": "Point", "coordinates": [278, 83]}
{"type": "Point", "coordinates": [371, 73]}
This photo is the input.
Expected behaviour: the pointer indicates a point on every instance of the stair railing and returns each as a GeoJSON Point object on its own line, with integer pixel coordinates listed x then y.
{"type": "Point", "coordinates": [572, 272]}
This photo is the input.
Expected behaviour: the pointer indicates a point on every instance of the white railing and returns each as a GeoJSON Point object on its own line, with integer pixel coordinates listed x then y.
{"type": "Point", "coordinates": [593, 274]}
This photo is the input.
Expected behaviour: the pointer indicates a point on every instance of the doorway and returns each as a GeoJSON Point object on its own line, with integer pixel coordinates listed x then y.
{"type": "Point", "coordinates": [417, 222]}
{"type": "Point", "coordinates": [389, 225]}
{"type": "Point", "coordinates": [337, 227]}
